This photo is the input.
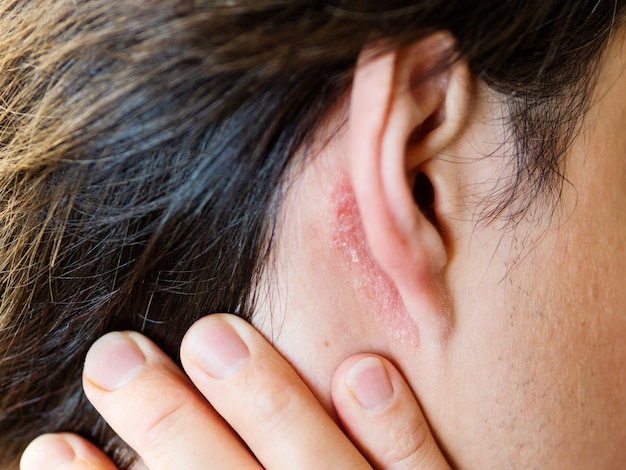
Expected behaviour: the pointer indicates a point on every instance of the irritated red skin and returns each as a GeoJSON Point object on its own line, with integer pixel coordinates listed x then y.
{"type": "Point", "coordinates": [369, 281]}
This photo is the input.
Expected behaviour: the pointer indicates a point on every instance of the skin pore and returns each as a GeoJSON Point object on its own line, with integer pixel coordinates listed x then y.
{"type": "Point", "coordinates": [531, 375]}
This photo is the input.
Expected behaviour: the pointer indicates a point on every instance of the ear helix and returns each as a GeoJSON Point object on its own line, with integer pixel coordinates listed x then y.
{"type": "Point", "coordinates": [397, 128]}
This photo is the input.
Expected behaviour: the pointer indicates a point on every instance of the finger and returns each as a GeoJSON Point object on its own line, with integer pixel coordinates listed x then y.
{"type": "Point", "coordinates": [263, 398]}
{"type": "Point", "coordinates": [63, 451]}
{"type": "Point", "coordinates": [149, 402]}
{"type": "Point", "coordinates": [382, 417]}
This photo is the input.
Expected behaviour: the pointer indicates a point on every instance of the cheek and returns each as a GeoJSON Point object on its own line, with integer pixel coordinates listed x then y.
{"type": "Point", "coordinates": [539, 345]}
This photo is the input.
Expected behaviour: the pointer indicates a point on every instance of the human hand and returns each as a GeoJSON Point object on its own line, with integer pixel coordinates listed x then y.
{"type": "Point", "coordinates": [154, 407]}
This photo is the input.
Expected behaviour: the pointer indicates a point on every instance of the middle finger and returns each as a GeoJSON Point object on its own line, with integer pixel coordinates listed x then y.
{"type": "Point", "coordinates": [263, 398]}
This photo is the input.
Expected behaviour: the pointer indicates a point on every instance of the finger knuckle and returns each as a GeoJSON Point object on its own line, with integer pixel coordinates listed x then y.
{"type": "Point", "coordinates": [409, 444]}
{"type": "Point", "coordinates": [275, 405]}
{"type": "Point", "coordinates": [160, 426]}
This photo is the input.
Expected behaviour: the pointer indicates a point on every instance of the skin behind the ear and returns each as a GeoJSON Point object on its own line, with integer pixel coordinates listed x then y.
{"type": "Point", "coordinates": [369, 281]}
{"type": "Point", "coordinates": [405, 109]}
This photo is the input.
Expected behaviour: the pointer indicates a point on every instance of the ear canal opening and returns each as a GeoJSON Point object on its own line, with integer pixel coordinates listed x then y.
{"type": "Point", "coordinates": [424, 196]}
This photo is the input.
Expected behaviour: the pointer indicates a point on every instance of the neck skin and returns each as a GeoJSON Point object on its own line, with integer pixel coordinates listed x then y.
{"type": "Point", "coordinates": [531, 374]}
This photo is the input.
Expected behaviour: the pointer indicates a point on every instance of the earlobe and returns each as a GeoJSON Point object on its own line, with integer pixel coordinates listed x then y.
{"type": "Point", "coordinates": [405, 108]}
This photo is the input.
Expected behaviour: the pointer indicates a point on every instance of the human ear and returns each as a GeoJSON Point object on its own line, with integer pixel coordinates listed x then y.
{"type": "Point", "coordinates": [404, 111]}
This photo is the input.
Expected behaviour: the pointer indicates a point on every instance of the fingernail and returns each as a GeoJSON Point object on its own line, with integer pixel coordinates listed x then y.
{"type": "Point", "coordinates": [370, 383]}
{"type": "Point", "coordinates": [47, 452]}
{"type": "Point", "coordinates": [113, 361]}
{"type": "Point", "coordinates": [217, 349]}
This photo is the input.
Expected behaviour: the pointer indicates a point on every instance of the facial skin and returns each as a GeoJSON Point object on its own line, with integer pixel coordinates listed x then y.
{"type": "Point", "coordinates": [531, 372]}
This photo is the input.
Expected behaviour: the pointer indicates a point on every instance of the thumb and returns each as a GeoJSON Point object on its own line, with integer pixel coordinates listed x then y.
{"type": "Point", "coordinates": [381, 416]}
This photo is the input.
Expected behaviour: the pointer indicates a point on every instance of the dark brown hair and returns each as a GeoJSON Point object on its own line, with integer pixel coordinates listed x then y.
{"type": "Point", "coordinates": [143, 145]}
